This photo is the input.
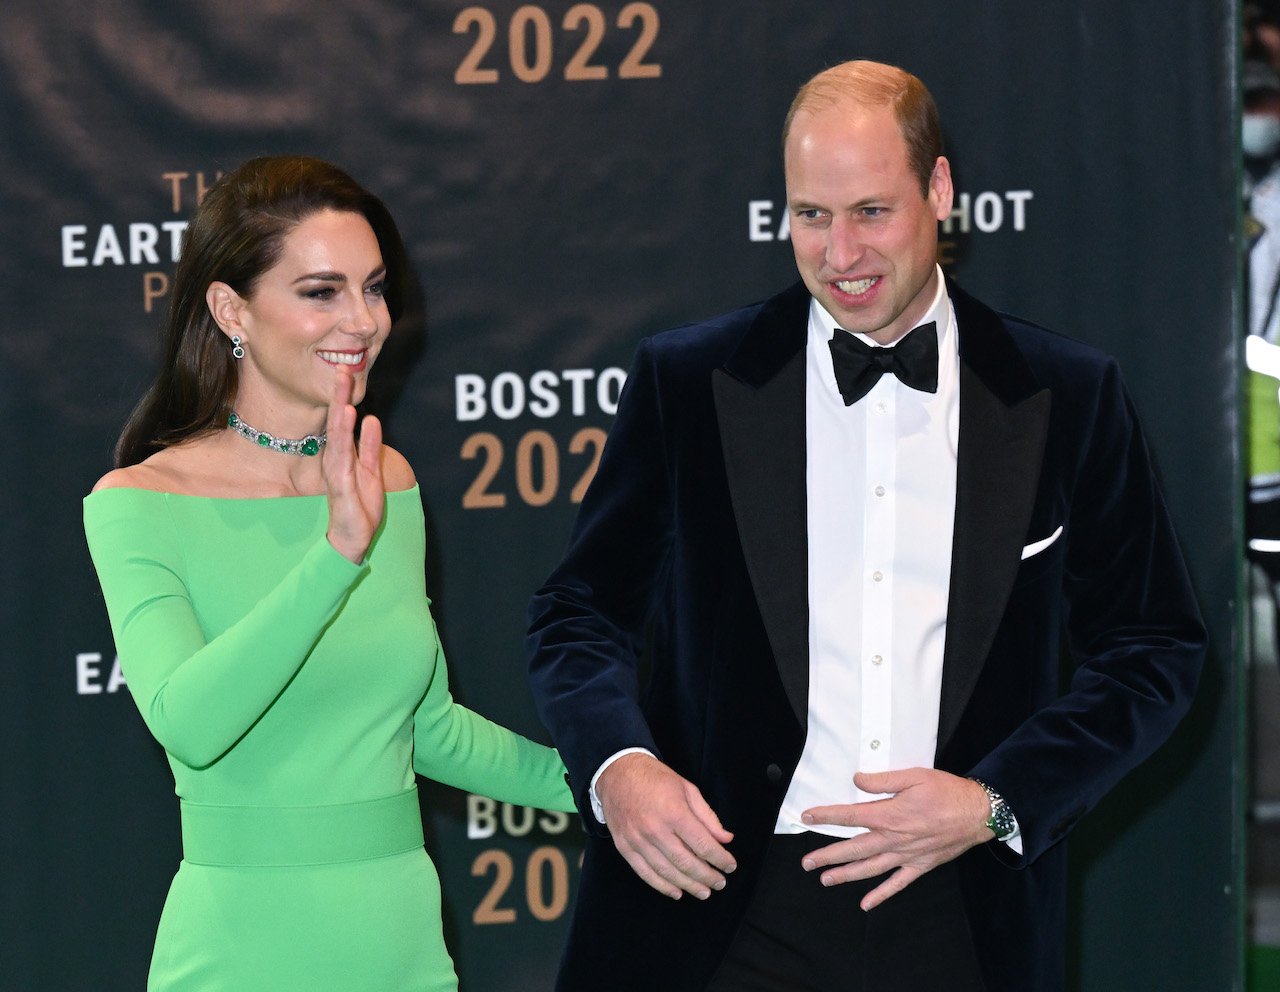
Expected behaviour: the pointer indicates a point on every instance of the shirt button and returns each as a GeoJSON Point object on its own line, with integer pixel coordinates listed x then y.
{"type": "Point", "coordinates": [877, 576]}
{"type": "Point", "coordinates": [880, 408]}
{"type": "Point", "coordinates": [875, 745]}
{"type": "Point", "coordinates": [876, 659]}
{"type": "Point", "coordinates": [879, 490]}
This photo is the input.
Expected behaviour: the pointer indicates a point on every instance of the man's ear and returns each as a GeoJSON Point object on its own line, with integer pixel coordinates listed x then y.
{"type": "Point", "coordinates": [225, 305]}
{"type": "Point", "coordinates": [941, 192]}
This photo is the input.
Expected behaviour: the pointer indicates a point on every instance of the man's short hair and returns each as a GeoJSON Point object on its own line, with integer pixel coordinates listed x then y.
{"type": "Point", "coordinates": [875, 84]}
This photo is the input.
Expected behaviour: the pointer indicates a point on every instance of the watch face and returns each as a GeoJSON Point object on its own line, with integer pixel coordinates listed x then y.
{"type": "Point", "coordinates": [1001, 821]}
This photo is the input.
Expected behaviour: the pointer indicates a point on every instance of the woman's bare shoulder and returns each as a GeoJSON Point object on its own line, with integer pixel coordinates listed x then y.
{"type": "Point", "coordinates": [169, 470]}
{"type": "Point", "coordinates": [397, 473]}
{"type": "Point", "coordinates": [133, 477]}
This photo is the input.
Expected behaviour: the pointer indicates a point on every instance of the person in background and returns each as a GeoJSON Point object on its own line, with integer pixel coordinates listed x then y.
{"type": "Point", "coordinates": [1260, 145]}
{"type": "Point", "coordinates": [263, 571]}
{"type": "Point", "coordinates": [846, 529]}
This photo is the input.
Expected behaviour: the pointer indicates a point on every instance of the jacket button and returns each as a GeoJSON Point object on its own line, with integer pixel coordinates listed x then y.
{"type": "Point", "coordinates": [773, 773]}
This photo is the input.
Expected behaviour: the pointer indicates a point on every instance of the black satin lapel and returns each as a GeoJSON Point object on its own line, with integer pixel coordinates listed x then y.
{"type": "Point", "coordinates": [762, 430]}
{"type": "Point", "coordinates": [997, 474]}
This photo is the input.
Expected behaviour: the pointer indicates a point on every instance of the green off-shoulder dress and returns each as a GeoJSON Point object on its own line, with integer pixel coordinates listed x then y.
{"type": "Point", "coordinates": [296, 694]}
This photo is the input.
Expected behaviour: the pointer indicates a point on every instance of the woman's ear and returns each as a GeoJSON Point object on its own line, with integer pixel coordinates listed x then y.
{"type": "Point", "coordinates": [225, 305]}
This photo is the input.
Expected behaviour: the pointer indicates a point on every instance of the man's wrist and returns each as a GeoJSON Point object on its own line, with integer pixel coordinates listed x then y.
{"type": "Point", "coordinates": [597, 808]}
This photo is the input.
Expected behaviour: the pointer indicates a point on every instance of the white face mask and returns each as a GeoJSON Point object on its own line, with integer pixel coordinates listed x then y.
{"type": "Point", "coordinates": [1260, 134]}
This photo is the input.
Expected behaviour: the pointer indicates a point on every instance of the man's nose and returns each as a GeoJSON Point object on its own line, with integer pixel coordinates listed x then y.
{"type": "Point", "coordinates": [844, 245]}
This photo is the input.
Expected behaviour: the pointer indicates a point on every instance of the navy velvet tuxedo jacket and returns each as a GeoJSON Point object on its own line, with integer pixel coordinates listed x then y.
{"type": "Point", "coordinates": [678, 621]}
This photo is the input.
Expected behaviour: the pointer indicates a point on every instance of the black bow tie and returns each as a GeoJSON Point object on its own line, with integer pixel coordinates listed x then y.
{"type": "Point", "coordinates": [914, 360]}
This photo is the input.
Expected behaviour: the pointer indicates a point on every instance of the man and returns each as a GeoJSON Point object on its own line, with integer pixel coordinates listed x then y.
{"type": "Point", "coordinates": [848, 569]}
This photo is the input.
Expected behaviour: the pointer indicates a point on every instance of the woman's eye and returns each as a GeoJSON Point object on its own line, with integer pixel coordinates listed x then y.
{"type": "Point", "coordinates": [319, 293]}
{"type": "Point", "coordinates": [378, 288]}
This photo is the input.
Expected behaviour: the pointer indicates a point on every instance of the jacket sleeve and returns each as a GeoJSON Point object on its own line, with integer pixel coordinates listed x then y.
{"type": "Point", "coordinates": [587, 621]}
{"type": "Point", "coordinates": [199, 697]}
{"type": "Point", "coordinates": [1133, 629]}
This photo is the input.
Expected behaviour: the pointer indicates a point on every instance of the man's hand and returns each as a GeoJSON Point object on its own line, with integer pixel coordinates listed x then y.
{"type": "Point", "coordinates": [663, 827]}
{"type": "Point", "coordinates": [931, 817]}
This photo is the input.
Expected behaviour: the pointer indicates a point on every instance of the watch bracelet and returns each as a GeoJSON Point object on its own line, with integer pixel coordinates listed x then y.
{"type": "Point", "coordinates": [1001, 822]}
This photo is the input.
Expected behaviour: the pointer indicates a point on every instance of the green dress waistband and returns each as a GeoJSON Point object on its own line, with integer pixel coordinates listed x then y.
{"type": "Point", "coordinates": [278, 836]}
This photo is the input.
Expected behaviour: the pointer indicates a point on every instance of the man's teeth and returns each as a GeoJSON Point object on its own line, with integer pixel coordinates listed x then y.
{"type": "Point", "coordinates": [856, 287]}
{"type": "Point", "coordinates": [343, 357]}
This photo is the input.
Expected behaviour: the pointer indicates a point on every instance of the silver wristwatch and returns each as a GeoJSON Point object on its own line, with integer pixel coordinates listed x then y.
{"type": "Point", "coordinates": [1001, 821]}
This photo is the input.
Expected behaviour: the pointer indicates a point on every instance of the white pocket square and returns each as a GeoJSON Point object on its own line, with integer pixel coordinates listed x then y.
{"type": "Point", "coordinates": [1035, 547]}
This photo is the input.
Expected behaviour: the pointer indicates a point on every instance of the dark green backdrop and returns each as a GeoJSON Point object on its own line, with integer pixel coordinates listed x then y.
{"type": "Point", "coordinates": [586, 195]}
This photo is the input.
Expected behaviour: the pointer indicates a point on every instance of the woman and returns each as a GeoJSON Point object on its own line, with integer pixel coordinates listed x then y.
{"type": "Point", "coordinates": [263, 573]}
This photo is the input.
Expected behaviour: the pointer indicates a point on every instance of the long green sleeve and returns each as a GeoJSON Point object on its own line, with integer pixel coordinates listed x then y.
{"type": "Point", "coordinates": [199, 696]}
{"type": "Point", "coordinates": [455, 746]}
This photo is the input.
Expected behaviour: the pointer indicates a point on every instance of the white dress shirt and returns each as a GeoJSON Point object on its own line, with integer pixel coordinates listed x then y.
{"type": "Point", "coordinates": [881, 480]}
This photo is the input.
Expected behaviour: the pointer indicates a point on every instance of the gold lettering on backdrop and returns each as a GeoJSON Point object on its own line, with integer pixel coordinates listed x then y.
{"type": "Point", "coordinates": [547, 902]}
{"type": "Point", "coordinates": [175, 188]}
{"type": "Point", "coordinates": [580, 67]}
{"type": "Point", "coordinates": [531, 43]}
{"type": "Point", "coordinates": [477, 496]}
{"type": "Point", "coordinates": [537, 467]}
{"type": "Point", "coordinates": [529, 69]}
{"type": "Point", "coordinates": [469, 71]}
{"type": "Point", "coordinates": [488, 912]}
{"type": "Point", "coordinates": [542, 491]}
{"type": "Point", "coordinates": [546, 885]}
{"type": "Point", "coordinates": [154, 286]}
{"type": "Point", "coordinates": [177, 180]}
{"type": "Point", "coordinates": [588, 437]}
{"type": "Point", "coordinates": [634, 66]}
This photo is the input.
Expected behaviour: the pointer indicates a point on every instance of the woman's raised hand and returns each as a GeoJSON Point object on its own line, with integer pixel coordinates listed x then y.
{"type": "Point", "coordinates": [352, 476]}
